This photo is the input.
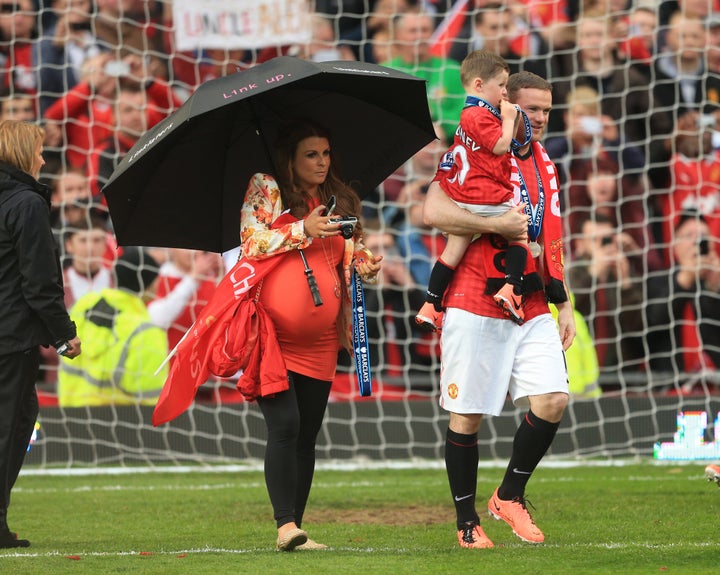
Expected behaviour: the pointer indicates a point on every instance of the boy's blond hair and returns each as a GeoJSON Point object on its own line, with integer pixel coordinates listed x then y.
{"type": "Point", "coordinates": [482, 64]}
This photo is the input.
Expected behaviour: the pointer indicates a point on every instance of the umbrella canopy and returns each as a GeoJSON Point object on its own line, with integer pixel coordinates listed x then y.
{"type": "Point", "coordinates": [183, 183]}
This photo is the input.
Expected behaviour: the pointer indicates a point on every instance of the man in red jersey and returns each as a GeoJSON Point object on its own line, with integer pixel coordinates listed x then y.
{"type": "Point", "coordinates": [485, 356]}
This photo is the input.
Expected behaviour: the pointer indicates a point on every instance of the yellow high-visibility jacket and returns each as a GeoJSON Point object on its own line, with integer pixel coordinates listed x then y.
{"type": "Point", "coordinates": [121, 349]}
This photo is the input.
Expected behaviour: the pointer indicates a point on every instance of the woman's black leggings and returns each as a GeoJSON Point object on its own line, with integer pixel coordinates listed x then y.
{"type": "Point", "coordinates": [293, 419]}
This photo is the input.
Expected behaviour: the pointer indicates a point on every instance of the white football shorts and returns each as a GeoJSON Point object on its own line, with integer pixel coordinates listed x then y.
{"type": "Point", "coordinates": [488, 210]}
{"type": "Point", "coordinates": [485, 358]}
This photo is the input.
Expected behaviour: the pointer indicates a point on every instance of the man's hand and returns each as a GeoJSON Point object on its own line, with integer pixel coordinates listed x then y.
{"type": "Point", "coordinates": [513, 224]}
{"type": "Point", "coordinates": [566, 324]}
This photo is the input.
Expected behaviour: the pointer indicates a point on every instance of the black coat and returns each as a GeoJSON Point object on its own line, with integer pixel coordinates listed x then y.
{"type": "Point", "coordinates": [32, 308]}
{"type": "Point", "coordinates": [665, 309]}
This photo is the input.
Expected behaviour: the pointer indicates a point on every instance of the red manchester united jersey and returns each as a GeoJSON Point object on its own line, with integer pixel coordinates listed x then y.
{"type": "Point", "coordinates": [697, 187]}
{"type": "Point", "coordinates": [470, 172]}
{"type": "Point", "coordinates": [484, 260]}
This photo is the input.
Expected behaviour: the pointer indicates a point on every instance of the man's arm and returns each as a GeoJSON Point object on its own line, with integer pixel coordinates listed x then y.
{"type": "Point", "coordinates": [442, 213]}
{"type": "Point", "coordinates": [566, 322]}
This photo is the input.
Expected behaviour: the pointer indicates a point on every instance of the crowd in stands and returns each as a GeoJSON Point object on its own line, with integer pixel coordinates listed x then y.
{"type": "Point", "coordinates": [635, 133]}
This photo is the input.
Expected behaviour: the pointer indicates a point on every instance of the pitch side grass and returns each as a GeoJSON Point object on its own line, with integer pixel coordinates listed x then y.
{"type": "Point", "coordinates": [639, 518]}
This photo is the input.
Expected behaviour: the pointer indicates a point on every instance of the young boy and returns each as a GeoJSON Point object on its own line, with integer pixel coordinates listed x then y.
{"type": "Point", "coordinates": [477, 178]}
{"type": "Point", "coordinates": [86, 243]}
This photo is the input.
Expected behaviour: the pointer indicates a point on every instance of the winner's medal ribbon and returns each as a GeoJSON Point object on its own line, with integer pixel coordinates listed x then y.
{"type": "Point", "coordinates": [535, 213]}
{"type": "Point", "coordinates": [514, 144]}
{"type": "Point", "coordinates": [360, 337]}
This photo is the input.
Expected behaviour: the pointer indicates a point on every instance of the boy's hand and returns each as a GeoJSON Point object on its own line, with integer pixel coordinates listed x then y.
{"type": "Point", "coordinates": [509, 111]}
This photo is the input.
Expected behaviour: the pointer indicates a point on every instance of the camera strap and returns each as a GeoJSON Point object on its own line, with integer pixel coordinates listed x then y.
{"type": "Point", "coordinates": [360, 337]}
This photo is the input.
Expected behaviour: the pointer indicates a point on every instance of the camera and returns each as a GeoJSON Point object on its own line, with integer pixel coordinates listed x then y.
{"type": "Point", "coordinates": [606, 241]}
{"type": "Point", "coordinates": [347, 225]}
{"type": "Point", "coordinates": [704, 247]}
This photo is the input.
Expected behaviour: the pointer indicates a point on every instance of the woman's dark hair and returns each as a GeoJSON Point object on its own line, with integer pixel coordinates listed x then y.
{"type": "Point", "coordinates": [294, 197]}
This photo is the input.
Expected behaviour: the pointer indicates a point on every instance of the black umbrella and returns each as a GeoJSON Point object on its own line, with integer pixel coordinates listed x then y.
{"type": "Point", "coordinates": [182, 184]}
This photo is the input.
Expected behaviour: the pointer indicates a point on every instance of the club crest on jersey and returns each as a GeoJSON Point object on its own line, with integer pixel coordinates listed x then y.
{"type": "Point", "coordinates": [447, 162]}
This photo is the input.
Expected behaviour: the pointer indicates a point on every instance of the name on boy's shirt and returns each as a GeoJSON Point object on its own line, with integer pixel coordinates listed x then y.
{"type": "Point", "coordinates": [467, 140]}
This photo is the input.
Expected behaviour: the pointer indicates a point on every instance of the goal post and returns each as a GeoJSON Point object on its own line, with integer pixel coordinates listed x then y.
{"type": "Point", "coordinates": [637, 405]}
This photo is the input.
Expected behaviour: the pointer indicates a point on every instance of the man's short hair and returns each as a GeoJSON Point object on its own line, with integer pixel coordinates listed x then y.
{"type": "Point", "coordinates": [525, 79]}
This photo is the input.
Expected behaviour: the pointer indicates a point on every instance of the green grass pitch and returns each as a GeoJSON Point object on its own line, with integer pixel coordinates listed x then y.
{"type": "Point", "coordinates": [637, 518]}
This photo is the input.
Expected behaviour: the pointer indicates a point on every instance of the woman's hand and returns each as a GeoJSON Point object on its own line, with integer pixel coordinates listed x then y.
{"type": "Point", "coordinates": [319, 226]}
{"type": "Point", "coordinates": [366, 264]}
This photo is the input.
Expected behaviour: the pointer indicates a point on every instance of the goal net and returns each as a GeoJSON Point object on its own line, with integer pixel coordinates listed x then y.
{"type": "Point", "coordinates": [636, 146]}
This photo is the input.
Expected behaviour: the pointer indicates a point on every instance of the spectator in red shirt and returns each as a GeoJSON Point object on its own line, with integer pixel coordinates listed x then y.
{"type": "Point", "coordinates": [695, 176]}
{"type": "Point", "coordinates": [131, 121]}
{"type": "Point", "coordinates": [186, 283]}
{"type": "Point", "coordinates": [84, 117]}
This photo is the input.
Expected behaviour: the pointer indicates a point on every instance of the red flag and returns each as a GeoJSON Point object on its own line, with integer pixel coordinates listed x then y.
{"type": "Point", "coordinates": [448, 30]}
{"type": "Point", "coordinates": [190, 368]}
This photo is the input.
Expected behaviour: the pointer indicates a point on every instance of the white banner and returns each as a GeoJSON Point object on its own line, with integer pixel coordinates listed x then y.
{"type": "Point", "coordinates": [236, 24]}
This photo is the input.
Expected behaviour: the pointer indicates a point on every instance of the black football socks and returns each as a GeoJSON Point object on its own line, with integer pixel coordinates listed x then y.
{"type": "Point", "coordinates": [515, 262]}
{"type": "Point", "coordinates": [440, 278]}
{"type": "Point", "coordinates": [461, 462]}
{"type": "Point", "coordinates": [532, 440]}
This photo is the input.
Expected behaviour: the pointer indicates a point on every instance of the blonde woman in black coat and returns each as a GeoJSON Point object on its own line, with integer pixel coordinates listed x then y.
{"type": "Point", "coordinates": [32, 308]}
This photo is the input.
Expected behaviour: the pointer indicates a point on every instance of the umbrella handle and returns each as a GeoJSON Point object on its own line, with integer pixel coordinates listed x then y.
{"type": "Point", "coordinates": [314, 290]}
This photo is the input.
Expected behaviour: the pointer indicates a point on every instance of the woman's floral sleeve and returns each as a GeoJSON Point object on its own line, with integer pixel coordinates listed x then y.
{"type": "Point", "coordinates": [262, 234]}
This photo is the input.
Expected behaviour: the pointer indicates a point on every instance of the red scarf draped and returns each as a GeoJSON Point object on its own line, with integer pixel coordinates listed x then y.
{"type": "Point", "coordinates": [229, 308]}
{"type": "Point", "coordinates": [551, 236]}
